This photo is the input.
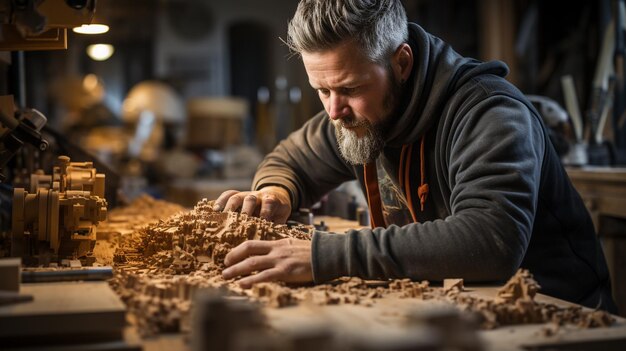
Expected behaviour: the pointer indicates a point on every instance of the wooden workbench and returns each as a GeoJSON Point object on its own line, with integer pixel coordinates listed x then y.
{"type": "Point", "coordinates": [387, 318]}
{"type": "Point", "coordinates": [390, 313]}
{"type": "Point", "coordinates": [86, 315]}
{"type": "Point", "coordinates": [603, 190]}
{"type": "Point", "coordinates": [384, 319]}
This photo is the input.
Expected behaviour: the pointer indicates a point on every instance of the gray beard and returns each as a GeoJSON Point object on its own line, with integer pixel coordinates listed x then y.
{"type": "Point", "coordinates": [359, 151]}
{"type": "Point", "coordinates": [363, 150]}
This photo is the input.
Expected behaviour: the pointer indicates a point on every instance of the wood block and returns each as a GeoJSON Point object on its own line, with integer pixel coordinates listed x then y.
{"type": "Point", "coordinates": [10, 274]}
{"type": "Point", "coordinates": [449, 284]}
{"type": "Point", "coordinates": [66, 310]}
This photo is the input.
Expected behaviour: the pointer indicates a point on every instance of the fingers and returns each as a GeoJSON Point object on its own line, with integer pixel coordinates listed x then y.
{"type": "Point", "coordinates": [221, 201]}
{"type": "Point", "coordinates": [247, 249]}
{"type": "Point", "coordinates": [232, 200]}
{"type": "Point", "coordinates": [287, 260]}
{"type": "Point", "coordinates": [271, 203]}
{"type": "Point", "coordinates": [270, 207]}
{"type": "Point", "coordinates": [268, 275]}
{"type": "Point", "coordinates": [248, 266]}
{"type": "Point", "coordinates": [250, 204]}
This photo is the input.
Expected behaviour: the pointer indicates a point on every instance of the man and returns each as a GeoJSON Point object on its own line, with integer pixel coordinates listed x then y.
{"type": "Point", "coordinates": [459, 173]}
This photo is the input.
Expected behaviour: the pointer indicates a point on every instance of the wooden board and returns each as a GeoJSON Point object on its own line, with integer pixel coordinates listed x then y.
{"type": "Point", "coordinates": [64, 309]}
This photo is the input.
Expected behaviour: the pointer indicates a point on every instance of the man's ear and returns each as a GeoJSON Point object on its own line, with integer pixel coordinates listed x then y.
{"type": "Point", "coordinates": [402, 62]}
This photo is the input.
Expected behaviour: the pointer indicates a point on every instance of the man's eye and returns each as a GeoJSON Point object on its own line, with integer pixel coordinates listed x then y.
{"type": "Point", "coordinates": [324, 92]}
{"type": "Point", "coordinates": [348, 91]}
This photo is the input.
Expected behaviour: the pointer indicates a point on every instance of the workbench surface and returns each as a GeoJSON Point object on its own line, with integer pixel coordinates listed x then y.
{"type": "Point", "coordinates": [387, 317]}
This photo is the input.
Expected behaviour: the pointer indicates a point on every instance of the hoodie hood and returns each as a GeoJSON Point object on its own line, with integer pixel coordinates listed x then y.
{"type": "Point", "coordinates": [438, 71]}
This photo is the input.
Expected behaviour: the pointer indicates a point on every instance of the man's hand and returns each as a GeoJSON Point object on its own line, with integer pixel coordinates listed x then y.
{"type": "Point", "coordinates": [272, 203]}
{"type": "Point", "coordinates": [287, 260]}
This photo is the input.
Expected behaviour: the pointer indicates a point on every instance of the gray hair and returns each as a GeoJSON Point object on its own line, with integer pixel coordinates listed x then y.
{"type": "Point", "coordinates": [377, 26]}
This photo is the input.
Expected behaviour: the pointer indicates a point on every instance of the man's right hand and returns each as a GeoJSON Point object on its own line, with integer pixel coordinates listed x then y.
{"type": "Point", "coordinates": [272, 203]}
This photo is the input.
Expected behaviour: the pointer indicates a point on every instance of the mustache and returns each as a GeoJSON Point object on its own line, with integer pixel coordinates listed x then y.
{"type": "Point", "coordinates": [350, 122]}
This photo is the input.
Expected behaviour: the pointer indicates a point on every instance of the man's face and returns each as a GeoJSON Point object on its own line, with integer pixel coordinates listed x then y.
{"type": "Point", "coordinates": [358, 95]}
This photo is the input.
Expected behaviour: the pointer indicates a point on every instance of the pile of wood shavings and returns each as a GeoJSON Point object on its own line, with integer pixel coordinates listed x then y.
{"type": "Point", "coordinates": [141, 211]}
{"type": "Point", "coordinates": [515, 304]}
{"type": "Point", "coordinates": [200, 238]}
{"type": "Point", "coordinates": [123, 224]}
{"type": "Point", "coordinates": [161, 265]}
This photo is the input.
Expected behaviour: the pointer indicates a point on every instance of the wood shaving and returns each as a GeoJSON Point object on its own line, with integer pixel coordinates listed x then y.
{"type": "Point", "coordinates": [515, 304]}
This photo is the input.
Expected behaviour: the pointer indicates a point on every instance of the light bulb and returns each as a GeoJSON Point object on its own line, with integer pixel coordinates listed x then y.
{"type": "Point", "coordinates": [100, 52]}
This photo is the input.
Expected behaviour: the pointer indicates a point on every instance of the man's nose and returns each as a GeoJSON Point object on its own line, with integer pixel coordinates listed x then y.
{"type": "Point", "coordinates": [338, 108]}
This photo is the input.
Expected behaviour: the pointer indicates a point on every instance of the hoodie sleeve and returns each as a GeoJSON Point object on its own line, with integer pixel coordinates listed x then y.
{"type": "Point", "coordinates": [307, 163]}
{"type": "Point", "coordinates": [492, 154]}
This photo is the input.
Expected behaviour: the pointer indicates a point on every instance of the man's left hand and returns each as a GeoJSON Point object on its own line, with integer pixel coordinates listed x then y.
{"type": "Point", "coordinates": [287, 260]}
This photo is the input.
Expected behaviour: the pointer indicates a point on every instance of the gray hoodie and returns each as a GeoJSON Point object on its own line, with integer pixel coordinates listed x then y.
{"type": "Point", "coordinates": [498, 196]}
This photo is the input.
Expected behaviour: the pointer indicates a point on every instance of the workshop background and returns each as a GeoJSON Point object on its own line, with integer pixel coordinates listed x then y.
{"type": "Point", "coordinates": [181, 99]}
{"type": "Point", "coordinates": [224, 89]}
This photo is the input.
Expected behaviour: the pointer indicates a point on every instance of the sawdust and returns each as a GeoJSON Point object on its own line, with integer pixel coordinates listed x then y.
{"type": "Point", "coordinates": [203, 236]}
{"type": "Point", "coordinates": [141, 211]}
{"type": "Point", "coordinates": [159, 266]}
{"type": "Point", "coordinates": [515, 304]}
{"type": "Point", "coordinates": [124, 223]}
{"type": "Point", "coordinates": [521, 286]}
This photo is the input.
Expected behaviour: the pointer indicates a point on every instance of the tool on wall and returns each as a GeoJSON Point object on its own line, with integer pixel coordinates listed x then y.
{"type": "Point", "coordinates": [601, 152]}
{"type": "Point", "coordinates": [577, 155]}
{"type": "Point", "coordinates": [619, 103]}
{"type": "Point", "coordinates": [607, 96]}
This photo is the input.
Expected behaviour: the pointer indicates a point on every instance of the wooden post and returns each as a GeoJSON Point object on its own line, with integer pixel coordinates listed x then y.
{"type": "Point", "coordinates": [498, 24]}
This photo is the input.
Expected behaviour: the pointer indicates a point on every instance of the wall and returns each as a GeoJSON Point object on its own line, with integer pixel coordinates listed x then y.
{"type": "Point", "coordinates": [213, 49]}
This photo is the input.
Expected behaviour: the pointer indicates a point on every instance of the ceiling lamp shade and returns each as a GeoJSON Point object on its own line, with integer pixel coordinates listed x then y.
{"type": "Point", "coordinates": [91, 29]}
{"type": "Point", "coordinates": [98, 23]}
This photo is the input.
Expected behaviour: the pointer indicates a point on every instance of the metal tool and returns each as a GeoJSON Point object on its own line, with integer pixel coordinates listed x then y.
{"type": "Point", "coordinates": [571, 102]}
{"type": "Point", "coordinates": [577, 155]}
{"type": "Point", "coordinates": [61, 275]}
{"type": "Point", "coordinates": [17, 130]}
